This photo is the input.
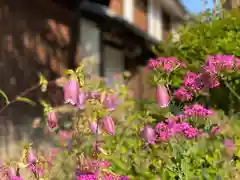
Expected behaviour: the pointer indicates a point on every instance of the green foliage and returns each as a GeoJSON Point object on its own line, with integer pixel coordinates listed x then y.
{"type": "Point", "coordinates": [219, 35]}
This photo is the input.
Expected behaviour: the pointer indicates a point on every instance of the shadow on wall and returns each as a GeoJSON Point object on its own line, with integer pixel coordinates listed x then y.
{"type": "Point", "coordinates": [33, 39]}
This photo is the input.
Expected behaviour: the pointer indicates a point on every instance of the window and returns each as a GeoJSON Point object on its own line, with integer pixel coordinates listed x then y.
{"type": "Point", "coordinates": [141, 5]}
{"type": "Point", "coordinates": [113, 62]}
{"type": "Point", "coordinates": [90, 46]}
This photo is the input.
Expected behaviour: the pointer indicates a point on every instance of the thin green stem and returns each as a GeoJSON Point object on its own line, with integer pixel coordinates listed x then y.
{"type": "Point", "coordinates": [232, 90]}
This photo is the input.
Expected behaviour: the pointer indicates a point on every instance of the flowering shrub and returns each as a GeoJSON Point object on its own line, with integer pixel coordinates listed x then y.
{"type": "Point", "coordinates": [104, 134]}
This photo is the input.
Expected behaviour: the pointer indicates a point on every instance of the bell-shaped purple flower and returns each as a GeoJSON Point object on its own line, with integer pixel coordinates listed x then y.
{"type": "Point", "coordinates": [93, 127]}
{"type": "Point", "coordinates": [108, 125]}
{"type": "Point", "coordinates": [81, 99]}
{"type": "Point", "coordinates": [148, 134]}
{"type": "Point", "coordinates": [71, 92]}
{"type": "Point", "coordinates": [32, 159]}
{"type": "Point", "coordinates": [110, 102]}
{"type": "Point", "coordinates": [52, 120]}
{"type": "Point", "coordinates": [162, 96]}
{"type": "Point", "coordinates": [11, 172]}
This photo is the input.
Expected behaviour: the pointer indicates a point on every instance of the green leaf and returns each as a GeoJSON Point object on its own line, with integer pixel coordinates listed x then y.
{"type": "Point", "coordinates": [43, 82]}
{"type": "Point", "coordinates": [26, 100]}
{"type": "Point", "coordinates": [5, 96]}
{"type": "Point", "coordinates": [69, 72]}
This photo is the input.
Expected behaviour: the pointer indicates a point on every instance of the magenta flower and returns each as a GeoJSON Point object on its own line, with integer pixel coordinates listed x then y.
{"type": "Point", "coordinates": [108, 125]}
{"type": "Point", "coordinates": [148, 134]}
{"type": "Point", "coordinates": [162, 95]}
{"type": "Point", "coordinates": [16, 178]}
{"type": "Point", "coordinates": [71, 92]}
{"type": "Point", "coordinates": [191, 82]}
{"type": "Point", "coordinates": [208, 80]}
{"type": "Point", "coordinates": [124, 178]}
{"type": "Point", "coordinates": [183, 94]}
{"type": "Point", "coordinates": [81, 99]}
{"type": "Point", "coordinates": [52, 120]}
{"type": "Point", "coordinates": [166, 64]}
{"type": "Point", "coordinates": [197, 110]}
{"type": "Point", "coordinates": [153, 64]}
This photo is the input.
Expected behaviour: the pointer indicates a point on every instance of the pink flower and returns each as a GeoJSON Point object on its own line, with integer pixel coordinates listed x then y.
{"type": "Point", "coordinates": [110, 102]}
{"type": "Point", "coordinates": [16, 178]}
{"type": "Point", "coordinates": [191, 82]}
{"type": "Point", "coordinates": [148, 134]}
{"type": "Point", "coordinates": [183, 94]}
{"type": "Point", "coordinates": [162, 95]}
{"type": "Point", "coordinates": [81, 99]}
{"type": "Point", "coordinates": [197, 110]}
{"type": "Point", "coordinates": [52, 120]}
{"type": "Point", "coordinates": [32, 157]}
{"type": "Point", "coordinates": [93, 127]}
{"type": "Point", "coordinates": [71, 92]}
{"type": "Point", "coordinates": [208, 80]}
{"type": "Point", "coordinates": [108, 125]}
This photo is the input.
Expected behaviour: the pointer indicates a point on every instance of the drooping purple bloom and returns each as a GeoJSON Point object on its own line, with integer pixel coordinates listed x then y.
{"type": "Point", "coordinates": [52, 120]}
{"type": "Point", "coordinates": [81, 99]}
{"type": "Point", "coordinates": [162, 96]}
{"type": "Point", "coordinates": [110, 102]}
{"type": "Point", "coordinates": [108, 125]}
{"type": "Point", "coordinates": [32, 159]}
{"type": "Point", "coordinates": [71, 92]}
{"type": "Point", "coordinates": [93, 127]}
{"type": "Point", "coordinates": [148, 134]}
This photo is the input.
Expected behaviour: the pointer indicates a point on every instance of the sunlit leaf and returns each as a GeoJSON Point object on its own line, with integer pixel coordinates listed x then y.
{"type": "Point", "coordinates": [5, 96]}
{"type": "Point", "coordinates": [26, 100]}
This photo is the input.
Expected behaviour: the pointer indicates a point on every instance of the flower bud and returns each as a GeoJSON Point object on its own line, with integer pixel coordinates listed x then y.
{"type": "Point", "coordinates": [162, 96]}
{"type": "Point", "coordinates": [32, 159]}
{"type": "Point", "coordinates": [52, 120]}
{"type": "Point", "coordinates": [108, 125]}
{"type": "Point", "coordinates": [93, 127]}
{"type": "Point", "coordinates": [148, 134]}
{"type": "Point", "coordinates": [110, 102]}
{"type": "Point", "coordinates": [81, 100]}
{"type": "Point", "coordinates": [71, 91]}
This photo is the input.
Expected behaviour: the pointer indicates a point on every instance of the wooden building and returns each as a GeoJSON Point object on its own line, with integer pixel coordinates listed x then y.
{"type": "Point", "coordinates": [50, 36]}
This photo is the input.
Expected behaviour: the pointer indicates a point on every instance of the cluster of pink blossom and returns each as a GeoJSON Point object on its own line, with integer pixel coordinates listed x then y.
{"type": "Point", "coordinates": [176, 125]}
{"type": "Point", "coordinates": [221, 63]}
{"type": "Point", "coordinates": [208, 76]}
{"type": "Point", "coordinates": [197, 110]}
{"type": "Point", "coordinates": [170, 128]}
{"type": "Point", "coordinates": [166, 64]}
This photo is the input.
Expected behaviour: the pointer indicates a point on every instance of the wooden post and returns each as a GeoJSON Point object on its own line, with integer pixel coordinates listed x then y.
{"type": "Point", "coordinates": [214, 8]}
{"type": "Point", "coordinates": [75, 37]}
